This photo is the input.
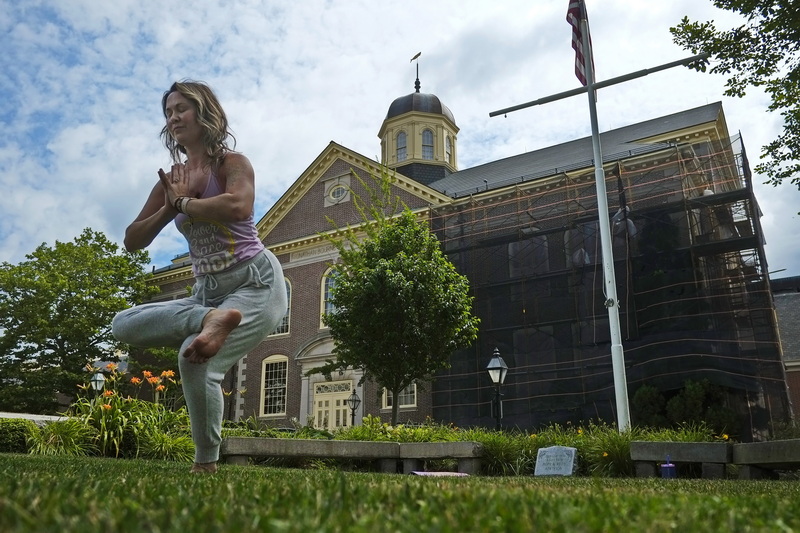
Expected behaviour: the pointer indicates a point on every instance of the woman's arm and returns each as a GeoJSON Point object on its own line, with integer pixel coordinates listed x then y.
{"type": "Point", "coordinates": [236, 175]}
{"type": "Point", "coordinates": [154, 216]}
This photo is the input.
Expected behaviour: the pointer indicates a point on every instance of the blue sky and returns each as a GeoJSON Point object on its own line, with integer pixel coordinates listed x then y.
{"type": "Point", "coordinates": [81, 83]}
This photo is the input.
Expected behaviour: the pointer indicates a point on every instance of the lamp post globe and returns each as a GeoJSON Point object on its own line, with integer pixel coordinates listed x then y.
{"type": "Point", "coordinates": [353, 401]}
{"type": "Point", "coordinates": [97, 382]}
{"type": "Point", "coordinates": [497, 369]}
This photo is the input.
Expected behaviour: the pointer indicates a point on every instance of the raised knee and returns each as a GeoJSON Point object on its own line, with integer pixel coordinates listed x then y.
{"type": "Point", "coordinates": [118, 327]}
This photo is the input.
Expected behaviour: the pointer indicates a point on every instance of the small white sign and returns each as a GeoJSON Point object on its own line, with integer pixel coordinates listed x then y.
{"type": "Point", "coordinates": [555, 461]}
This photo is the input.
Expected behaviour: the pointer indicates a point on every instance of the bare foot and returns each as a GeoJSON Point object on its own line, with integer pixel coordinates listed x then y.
{"type": "Point", "coordinates": [217, 325]}
{"type": "Point", "coordinates": [204, 468]}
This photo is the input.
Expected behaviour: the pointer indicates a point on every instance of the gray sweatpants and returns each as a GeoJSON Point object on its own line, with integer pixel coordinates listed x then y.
{"type": "Point", "coordinates": [256, 288]}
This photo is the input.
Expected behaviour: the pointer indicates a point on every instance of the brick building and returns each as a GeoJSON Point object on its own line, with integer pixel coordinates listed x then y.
{"type": "Point", "coordinates": [786, 294]}
{"type": "Point", "coordinates": [694, 291]}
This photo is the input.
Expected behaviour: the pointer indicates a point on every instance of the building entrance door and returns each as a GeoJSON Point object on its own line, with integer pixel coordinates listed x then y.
{"type": "Point", "coordinates": [330, 404]}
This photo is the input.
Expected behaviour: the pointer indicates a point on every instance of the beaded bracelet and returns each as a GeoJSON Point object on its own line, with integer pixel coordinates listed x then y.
{"type": "Point", "coordinates": [181, 202]}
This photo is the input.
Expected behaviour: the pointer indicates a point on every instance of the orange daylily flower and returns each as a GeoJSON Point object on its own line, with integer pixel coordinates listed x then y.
{"type": "Point", "coordinates": [108, 393]}
{"type": "Point", "coordinates": [111, 367]}
{"type": "Point", "coordinates": [168, 374]}
{"type": "Point", "coordinates": [136, 381]}
{"type": "Point", "coordinates": [106, 406]}
{"type": "Point", "coordinates": [146, 373]}
{"type": "Point", "coordinates": [160, 388]}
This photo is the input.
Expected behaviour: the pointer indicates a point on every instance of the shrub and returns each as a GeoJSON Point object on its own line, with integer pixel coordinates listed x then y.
{"type": "Point", "coordinates": [647, 407]}
{"type": "Point", "coordinates": [110, 417]}
{"type": "Point", "coordinates": [512, 453]}
{"type": "Point", "coordinates": [698, 402]}
{"type": "Point", "coordinates": [688, 405]}
{"type": "Point", "coordinates": [14, 434]}
{"type": "Point", "coordinates": [63, 437]}
{"type": "Point", "coordinates": [232, 430]}
{"type": "Point", "coordinates": [155, 444]}
{"type": "Point", "coordinates": [607, 452]}
{"type": "Point", "coordinates": [309, 432]}
{"type": "Point", "coordinates": [785, 430]}
{"type": "Point", "coordinates": [119, 421]}
{"type": "Point", "coordinates": [373, 429]}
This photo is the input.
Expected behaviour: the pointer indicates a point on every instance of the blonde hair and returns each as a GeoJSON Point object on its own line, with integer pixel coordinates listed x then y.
{"type": "Point", "coordinates": [210, 116]}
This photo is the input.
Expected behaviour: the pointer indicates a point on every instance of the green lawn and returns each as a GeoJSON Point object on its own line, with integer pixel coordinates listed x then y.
{"type": "Point", "coordinates": [61, 494]}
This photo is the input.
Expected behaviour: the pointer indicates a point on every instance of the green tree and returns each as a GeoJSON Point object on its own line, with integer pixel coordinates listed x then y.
{"type": "Point", "coordinates": [648, 407]}
{"type": "Point", "coordinates": [762, 53]}
{"type": "Point", "coordinates": [703, 402]}
{"type": "Point", "coordinates": [55, 316]}
{"type": "Point", "coordinates": [401, 307]}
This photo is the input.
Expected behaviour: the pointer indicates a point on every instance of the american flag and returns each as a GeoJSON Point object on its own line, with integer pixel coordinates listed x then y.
{"type": "Point", "coordinates": [575, 13]}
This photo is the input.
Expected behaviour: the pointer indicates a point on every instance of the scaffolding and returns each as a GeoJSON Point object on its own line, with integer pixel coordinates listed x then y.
{"type": "Point", "coordinates": [692, 279]}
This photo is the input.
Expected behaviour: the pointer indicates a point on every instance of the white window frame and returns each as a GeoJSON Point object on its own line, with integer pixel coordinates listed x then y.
{"type": "Point", "coordinates": [408, 398]}
{"type": "Point", "coordinates": [427, 145]}
{"type": "Point", "coordinates": [448, 149]}
{"type": "Point", "coordinates": [279, 385]}
{"type": "Point", "coordinates": [328, 281]}
{"type": "Point", "coordinates": [402, 146]}
{"type": "Point", "coordinates": [283, 327]}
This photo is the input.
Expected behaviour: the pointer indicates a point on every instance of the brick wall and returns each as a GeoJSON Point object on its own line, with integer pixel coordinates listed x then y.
{"type": "Point", "coordinates": [306, 218]}
{"type": "Point", "coordinates": [787, 308]}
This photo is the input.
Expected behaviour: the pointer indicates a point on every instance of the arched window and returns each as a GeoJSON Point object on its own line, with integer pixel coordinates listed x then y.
{"type": "Point", "coordinates": [427, 145]}
{"type": "Point", "coordinates": [283, 327]}
{"type": "Point", "coordinates": [328, 282]}
{"type": "Point", "coordinates": [274, 372]}
{"type": "Point", "coordinates": [401, 146]}
{"type": "Point", "coordinates": [448, 149]}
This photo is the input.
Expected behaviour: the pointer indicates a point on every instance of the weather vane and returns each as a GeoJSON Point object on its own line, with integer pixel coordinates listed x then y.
{"type": "Point", "coordinates": [416, 84]}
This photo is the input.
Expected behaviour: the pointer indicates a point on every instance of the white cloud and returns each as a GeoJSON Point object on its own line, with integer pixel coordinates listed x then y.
{"type": "Point", "coordinates": [81, 84]}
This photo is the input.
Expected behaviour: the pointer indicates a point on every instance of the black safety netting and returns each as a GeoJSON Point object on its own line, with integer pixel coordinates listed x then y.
{"type": "Point", "coordinates": [691, 278]}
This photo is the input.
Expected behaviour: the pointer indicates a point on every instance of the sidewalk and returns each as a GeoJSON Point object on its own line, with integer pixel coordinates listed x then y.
{"type": "Point", "coordinates": [39, 419]}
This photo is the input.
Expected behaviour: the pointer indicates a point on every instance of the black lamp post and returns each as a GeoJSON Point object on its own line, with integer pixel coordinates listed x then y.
{"type": "Point", "coordinates": [497, 369]}
{"type": "Point", "coordinates": [97, 382]}
{"type": "Point", "coordinates": [353, 401]}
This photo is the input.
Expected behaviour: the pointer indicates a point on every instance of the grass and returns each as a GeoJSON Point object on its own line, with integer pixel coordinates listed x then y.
{"type": "Point", "coordinates": [89, 494]}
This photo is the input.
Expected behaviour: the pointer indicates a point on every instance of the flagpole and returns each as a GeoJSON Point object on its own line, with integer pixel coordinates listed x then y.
{"type": "Point", "coordinates": [576, 16]}
{"type": "Point", "coordinates": [605, 83]}
{"type": "Point", "coordinates": [610, 284]}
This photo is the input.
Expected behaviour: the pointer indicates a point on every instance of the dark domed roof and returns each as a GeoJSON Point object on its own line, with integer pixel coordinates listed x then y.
{"type": "Point", "coordinates": [417, 101]}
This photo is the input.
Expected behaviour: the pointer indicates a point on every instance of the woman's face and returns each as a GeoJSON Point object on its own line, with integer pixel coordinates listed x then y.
{"type": "Point", "coordinates": [182, 121]}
